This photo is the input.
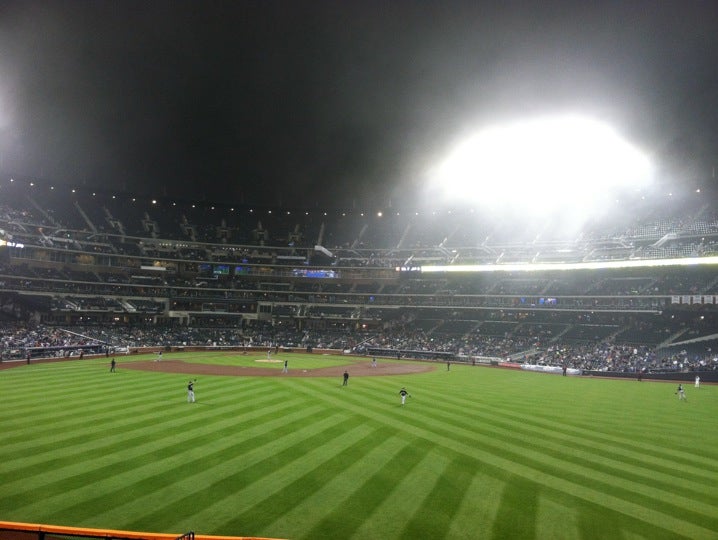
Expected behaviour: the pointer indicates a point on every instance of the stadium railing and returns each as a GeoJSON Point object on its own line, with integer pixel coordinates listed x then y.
{"type": "Point", "coordinates": [33, 531]}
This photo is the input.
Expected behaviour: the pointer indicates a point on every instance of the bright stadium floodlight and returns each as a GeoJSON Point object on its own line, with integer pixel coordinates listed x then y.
{"type": "Point", "coordinates": [542, 164]}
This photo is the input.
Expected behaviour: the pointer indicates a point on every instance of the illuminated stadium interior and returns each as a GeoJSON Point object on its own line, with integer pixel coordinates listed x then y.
{"type": "Point", "coordinates": [431, 281]}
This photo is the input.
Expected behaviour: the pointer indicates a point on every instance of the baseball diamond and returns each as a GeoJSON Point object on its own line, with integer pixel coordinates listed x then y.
{"type": "Point", "coordinates": [297, 455]}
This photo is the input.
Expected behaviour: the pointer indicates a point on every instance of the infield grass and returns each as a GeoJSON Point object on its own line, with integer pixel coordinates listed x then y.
{"type": "Point", "coordinates": [275, 361]}
{"type": "Point", "coordinates": [475, 453]}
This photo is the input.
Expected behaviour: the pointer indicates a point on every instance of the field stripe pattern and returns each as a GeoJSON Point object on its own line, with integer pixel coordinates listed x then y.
{"type": "Point", "coordinates": [475, 453]}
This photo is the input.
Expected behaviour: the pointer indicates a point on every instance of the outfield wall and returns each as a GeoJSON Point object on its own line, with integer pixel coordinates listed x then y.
{"type": "Point", "coordinates": [228, 348]}
{"type": "Point", "coordinates": [681, 376]}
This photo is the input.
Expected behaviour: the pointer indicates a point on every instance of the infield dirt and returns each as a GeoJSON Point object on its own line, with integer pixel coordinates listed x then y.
{"type": "Point", "coordinates": [356, 369]}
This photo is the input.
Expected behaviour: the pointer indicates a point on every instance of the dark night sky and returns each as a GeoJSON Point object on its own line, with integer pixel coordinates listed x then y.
{"type": "Point", "coordinates": [331, 102]}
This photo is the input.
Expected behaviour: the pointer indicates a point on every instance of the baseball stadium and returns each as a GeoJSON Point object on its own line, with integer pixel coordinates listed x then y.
{"type": "Point", "coordinates": [541, 375]}
{"type": "Point", "coordinates": [325, 270]}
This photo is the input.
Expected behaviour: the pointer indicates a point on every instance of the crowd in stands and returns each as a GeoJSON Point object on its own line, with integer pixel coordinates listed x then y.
{"type": "Point", "coordinates": [99, 258]}
{"type": "Point", "coordinates": [595, 292]}
{"type": "Point", "coordinates": [17, 340]}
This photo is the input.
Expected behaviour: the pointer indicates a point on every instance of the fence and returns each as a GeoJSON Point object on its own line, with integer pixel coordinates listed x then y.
{"type": "Point", "coordinates": [33, 531]}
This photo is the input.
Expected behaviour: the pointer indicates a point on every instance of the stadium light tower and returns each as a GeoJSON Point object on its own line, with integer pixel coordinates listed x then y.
{"type": "Point", "coordinates": [542, 164]}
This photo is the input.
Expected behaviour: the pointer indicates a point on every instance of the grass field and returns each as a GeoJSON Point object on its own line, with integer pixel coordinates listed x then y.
{"type": "Point", "coordinates": [475, 453]}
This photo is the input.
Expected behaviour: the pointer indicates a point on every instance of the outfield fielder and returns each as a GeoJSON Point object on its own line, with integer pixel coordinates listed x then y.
{"type": "Point", "coordinates": [190, 392]}
{"type": "Point", "coordinates": [403, 393]}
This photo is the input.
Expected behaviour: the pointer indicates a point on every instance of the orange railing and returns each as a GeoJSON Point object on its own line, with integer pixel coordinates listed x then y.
{"type": "Point", "coordinates": [14, 530]}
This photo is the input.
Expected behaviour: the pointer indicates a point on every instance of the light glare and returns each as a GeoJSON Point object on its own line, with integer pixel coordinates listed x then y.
{"type": "Point", "coordinates": [543, 164]}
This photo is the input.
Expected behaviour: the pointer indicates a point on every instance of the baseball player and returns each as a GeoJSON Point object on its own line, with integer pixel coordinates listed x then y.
{"type": "Point", "coordinates": [190, 392]}
{"type": "Point", "coordinates": [681, 393]}
{"type": "Point", "coordinates": [403, 393]}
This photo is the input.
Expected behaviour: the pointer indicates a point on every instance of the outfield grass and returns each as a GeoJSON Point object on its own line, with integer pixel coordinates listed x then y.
{"type": "Point", "coordinates": [475, 453]}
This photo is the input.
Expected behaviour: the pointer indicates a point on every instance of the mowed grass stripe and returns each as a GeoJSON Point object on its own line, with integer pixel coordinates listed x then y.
{"type": "Point", "coordinates": [518, 493]}
{"type": "Point", "coordinates": [113, 407]}
{"type": "Point", "coordinates": [613, 470]}
{"type": "Point", "coordinates": [223, 498]}
{"type": "Point", "coordinates": [404, 497]}
{"type": "Point", "coordinates": [479, 507]}
{"type": "Point", "coordinates": [597, 433]}
{"type": "Point", "coordinates": [200, 468]}
{"type": "Point", "coordinates": [125, 459]}
{"type": "Point", "coordinates": [603, 401]}
{"type": "Point", "coordinates": [555, 456]}
{"type": "Point", "coordinates": [353, 493]}
{"type": "Point", "coordinates": [585, 486]}
{"type": "Point", "coordinates": [432, 520]}
{"type": "Point", "coordinates": [558, 468]}
{"type": "Point", "coordinates": [576, 479]}
{"type": "Point", "coordinates": [196, 458]}
{"type": "Point", "coordinates": [660, 443]}
{"type": "Point", "coordinates": [195, 454]}
{"type": "Point", "coordinates": [86, 414]}
{"type": "Point", "coordinates": [56, 506]}
{"type": "Point", "coordinates": [84, 418]}
{"type": "Point", "coordinates": [652, 458]}
{"type": "Point", "coordinates": [561, 522]}
{"type": "Point", "coordinates": [130, 434]}
{"type": "Point", "coordinates": [641, 467]}
{"type": "Point", "coordinates": [326, 467]}
{"type": "Point", "coordinates": [583, 414]}
{"type": "Point", "coordinates": [583, 519]}
{"type": "Point", "coordinates": [67, 393]}
{"type": "Point", "coordinates": [369, 493]}
{"type": "Point", "coordinates": [563, 464]}
{"type": "Point", "coordinates": [703, 523]}
{"type": "Point", "coordinates": [129, 430]}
